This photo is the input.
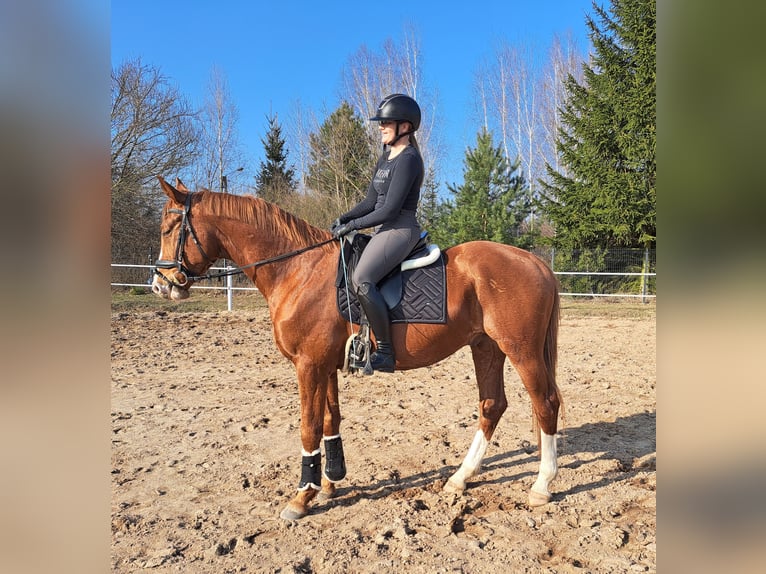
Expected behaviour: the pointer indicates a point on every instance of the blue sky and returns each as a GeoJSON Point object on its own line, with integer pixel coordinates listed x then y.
{"type": "Point", "coordinates": [275, 53]}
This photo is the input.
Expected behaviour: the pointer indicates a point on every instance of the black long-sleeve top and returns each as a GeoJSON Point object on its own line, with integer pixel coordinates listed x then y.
{"type": "Point", "coordinates": [395, 187]}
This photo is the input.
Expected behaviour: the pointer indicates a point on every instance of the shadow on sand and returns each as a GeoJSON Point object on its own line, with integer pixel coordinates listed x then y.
{"type": "Point", "coordinates": [623, 440]}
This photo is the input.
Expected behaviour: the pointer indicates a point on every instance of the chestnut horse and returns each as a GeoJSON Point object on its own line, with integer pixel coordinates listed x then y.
{"type": "Point", "coordinates": [502, 302]}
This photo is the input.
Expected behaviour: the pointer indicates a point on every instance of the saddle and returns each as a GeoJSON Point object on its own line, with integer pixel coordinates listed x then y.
{"type": "Point", "coordinates": [415, 291]}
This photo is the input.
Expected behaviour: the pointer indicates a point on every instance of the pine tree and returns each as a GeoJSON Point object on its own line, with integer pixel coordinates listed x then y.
{"type": "Point", "coordinates": [493, 201]}
{"type": "Point", "coordinates": [341, 160]}
{"type": "Point", "coordinates": [606, 194]}
{"type": "Point", "coordinates": [275, 181]}
{"type": "Point", "coordinates": [429, 201]}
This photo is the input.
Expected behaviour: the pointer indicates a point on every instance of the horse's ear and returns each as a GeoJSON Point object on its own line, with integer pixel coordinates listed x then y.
{"type": "Point", "coordinates": [180, 185]}
{"type": "Point", "coordinates": [179, 196]}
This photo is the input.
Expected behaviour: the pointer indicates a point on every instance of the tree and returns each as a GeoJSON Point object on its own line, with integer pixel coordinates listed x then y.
{"type": "Point", "coordinates": [219, 141]}
{"type": "Point", "coordinates": [429, 205]}
{"type": "Point", "coordinates": [275, 181]}
{"type": "Point", "coordinates": [153, 132]}
{"type": "Point", "coordinates": [492, 203]}
{"type": "Point", "coordinates": [518, 97]}
{"type": "Point", "coordinates": [564, 60]}
{"type": "Point", "coordinates": [607, 196]}
{"type": "Point", "coordinates": [368, 76]}
{"type": "Point", "coordinates": [341, 161]}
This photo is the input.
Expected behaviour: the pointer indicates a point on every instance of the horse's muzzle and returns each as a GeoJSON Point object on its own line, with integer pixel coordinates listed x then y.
{"type": "Point", "coordinates": [176, 289]}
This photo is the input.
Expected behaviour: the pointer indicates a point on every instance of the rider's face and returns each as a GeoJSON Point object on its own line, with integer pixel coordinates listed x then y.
{"type": "Point", "coordinates": [387, 131]}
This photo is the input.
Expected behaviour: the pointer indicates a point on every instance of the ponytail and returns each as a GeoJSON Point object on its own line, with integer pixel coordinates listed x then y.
{"type": "Point", "coordinates": [414, 142]}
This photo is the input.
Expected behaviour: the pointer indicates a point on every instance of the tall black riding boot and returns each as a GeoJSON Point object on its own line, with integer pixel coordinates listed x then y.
{"type": "Point", "coordinates": [377, 314]}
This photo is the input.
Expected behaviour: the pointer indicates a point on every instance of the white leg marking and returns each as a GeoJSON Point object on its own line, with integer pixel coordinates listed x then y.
{"type": "Point", "coordinates": [471, 463]}
{"type": "Point", "coordinates": [548, 470]}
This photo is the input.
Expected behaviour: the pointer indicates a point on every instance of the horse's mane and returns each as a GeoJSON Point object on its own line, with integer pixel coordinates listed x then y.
{"type": "Point", "coordinates": [263, 215]}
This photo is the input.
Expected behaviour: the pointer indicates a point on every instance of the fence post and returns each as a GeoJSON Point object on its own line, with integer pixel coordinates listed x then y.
{"type": "Point", "coordinates": [644, 271]}
{"type": "Point", "coordinates": [229, 289]}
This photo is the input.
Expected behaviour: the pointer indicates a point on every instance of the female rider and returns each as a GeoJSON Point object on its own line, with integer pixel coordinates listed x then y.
{"type": "Point", "coordinates": [391, 202]}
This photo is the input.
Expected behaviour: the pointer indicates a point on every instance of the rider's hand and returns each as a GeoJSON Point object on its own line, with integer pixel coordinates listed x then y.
{"type": "Point", "coordinates": [341, 230]}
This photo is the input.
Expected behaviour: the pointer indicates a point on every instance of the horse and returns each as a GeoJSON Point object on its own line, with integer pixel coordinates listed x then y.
{"type": "Point", "coordinates": [502, 301]}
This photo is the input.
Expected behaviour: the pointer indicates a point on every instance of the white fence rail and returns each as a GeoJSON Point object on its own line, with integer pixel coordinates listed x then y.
{"type": "Point", "coordinates": [230, 288]}
{"type": "Point", "coordinates": [150, 269]}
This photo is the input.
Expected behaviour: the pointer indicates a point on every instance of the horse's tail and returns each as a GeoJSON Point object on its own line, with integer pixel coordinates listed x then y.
{"type": "Point", "coordinates": [551, 350]}
{"type": "Point", "coordinates": [550, 356]}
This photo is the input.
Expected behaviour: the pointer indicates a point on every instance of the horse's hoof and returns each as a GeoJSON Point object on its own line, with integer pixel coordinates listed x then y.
{"type": "Point", "coordinates": [453, 488]}
{"type": "Point", "coordinates": [323, 496]}
{"type": "Point", "coordinates": [538, 499]}
{"type": "Point", "coordinates": [292, 513]}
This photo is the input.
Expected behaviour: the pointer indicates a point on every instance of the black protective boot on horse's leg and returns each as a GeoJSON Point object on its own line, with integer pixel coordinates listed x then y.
{"type": "Point", "coordinates": [377, 314]}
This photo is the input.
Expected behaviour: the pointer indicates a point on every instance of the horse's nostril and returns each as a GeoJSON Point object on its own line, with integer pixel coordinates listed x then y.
{"type": "Point", "coordinates": [181, 279]}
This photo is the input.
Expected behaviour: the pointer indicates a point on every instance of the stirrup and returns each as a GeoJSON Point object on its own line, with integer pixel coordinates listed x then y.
{"type": "Point", "coordinates": [358, 351]}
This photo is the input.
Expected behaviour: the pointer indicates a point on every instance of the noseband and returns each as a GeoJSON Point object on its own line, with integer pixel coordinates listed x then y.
{"type": "Point", "coordinates": [186, 229]}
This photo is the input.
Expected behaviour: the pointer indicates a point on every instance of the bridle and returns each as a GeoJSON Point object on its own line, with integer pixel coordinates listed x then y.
{"type": "Point", "coordinates": [188, 230]}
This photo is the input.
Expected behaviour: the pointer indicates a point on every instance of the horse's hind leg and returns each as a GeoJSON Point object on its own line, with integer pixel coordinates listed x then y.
{"type": "Point", "coordinates": [488, 361]}
{"type": "Point", "coordinates": [545, 404]}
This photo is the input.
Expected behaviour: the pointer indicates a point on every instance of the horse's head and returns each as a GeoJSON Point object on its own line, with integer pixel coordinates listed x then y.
{"type": "Point", "coordinates": [183, 247]}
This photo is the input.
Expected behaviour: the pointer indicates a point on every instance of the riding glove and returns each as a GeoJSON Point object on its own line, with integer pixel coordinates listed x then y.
{"type": "Point", "coordinates": [341, 229]}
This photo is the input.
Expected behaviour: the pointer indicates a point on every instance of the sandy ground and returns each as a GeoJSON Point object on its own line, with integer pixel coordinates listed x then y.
{"type": "Point", "coordinates": [206, 453]}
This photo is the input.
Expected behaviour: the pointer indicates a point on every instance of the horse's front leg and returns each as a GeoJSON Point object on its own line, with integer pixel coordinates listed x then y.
{"type": "Point", "coordinates": [312, 385]}
{"type": "Point", "coordinates": [335, 465]}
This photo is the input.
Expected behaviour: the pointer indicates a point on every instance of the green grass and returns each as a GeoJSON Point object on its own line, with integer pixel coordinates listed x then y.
{"type": "Point", "coordinates": [200, 301]}
{"type": "Point", "coordinates": [138, 299]}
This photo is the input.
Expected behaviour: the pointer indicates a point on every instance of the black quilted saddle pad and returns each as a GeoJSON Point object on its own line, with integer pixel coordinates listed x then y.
{"type": "Point", "coordinates": [424, 298]}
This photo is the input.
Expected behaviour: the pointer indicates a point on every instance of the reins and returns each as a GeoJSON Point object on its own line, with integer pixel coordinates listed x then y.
{"type": "Point", "coordinates": [238, 270]}
{"type": "Point", "coordinates": [344, 266]}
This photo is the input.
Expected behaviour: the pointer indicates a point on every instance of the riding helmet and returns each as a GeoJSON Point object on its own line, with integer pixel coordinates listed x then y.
{"type": "Point", "coordinates": [398, 108]}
